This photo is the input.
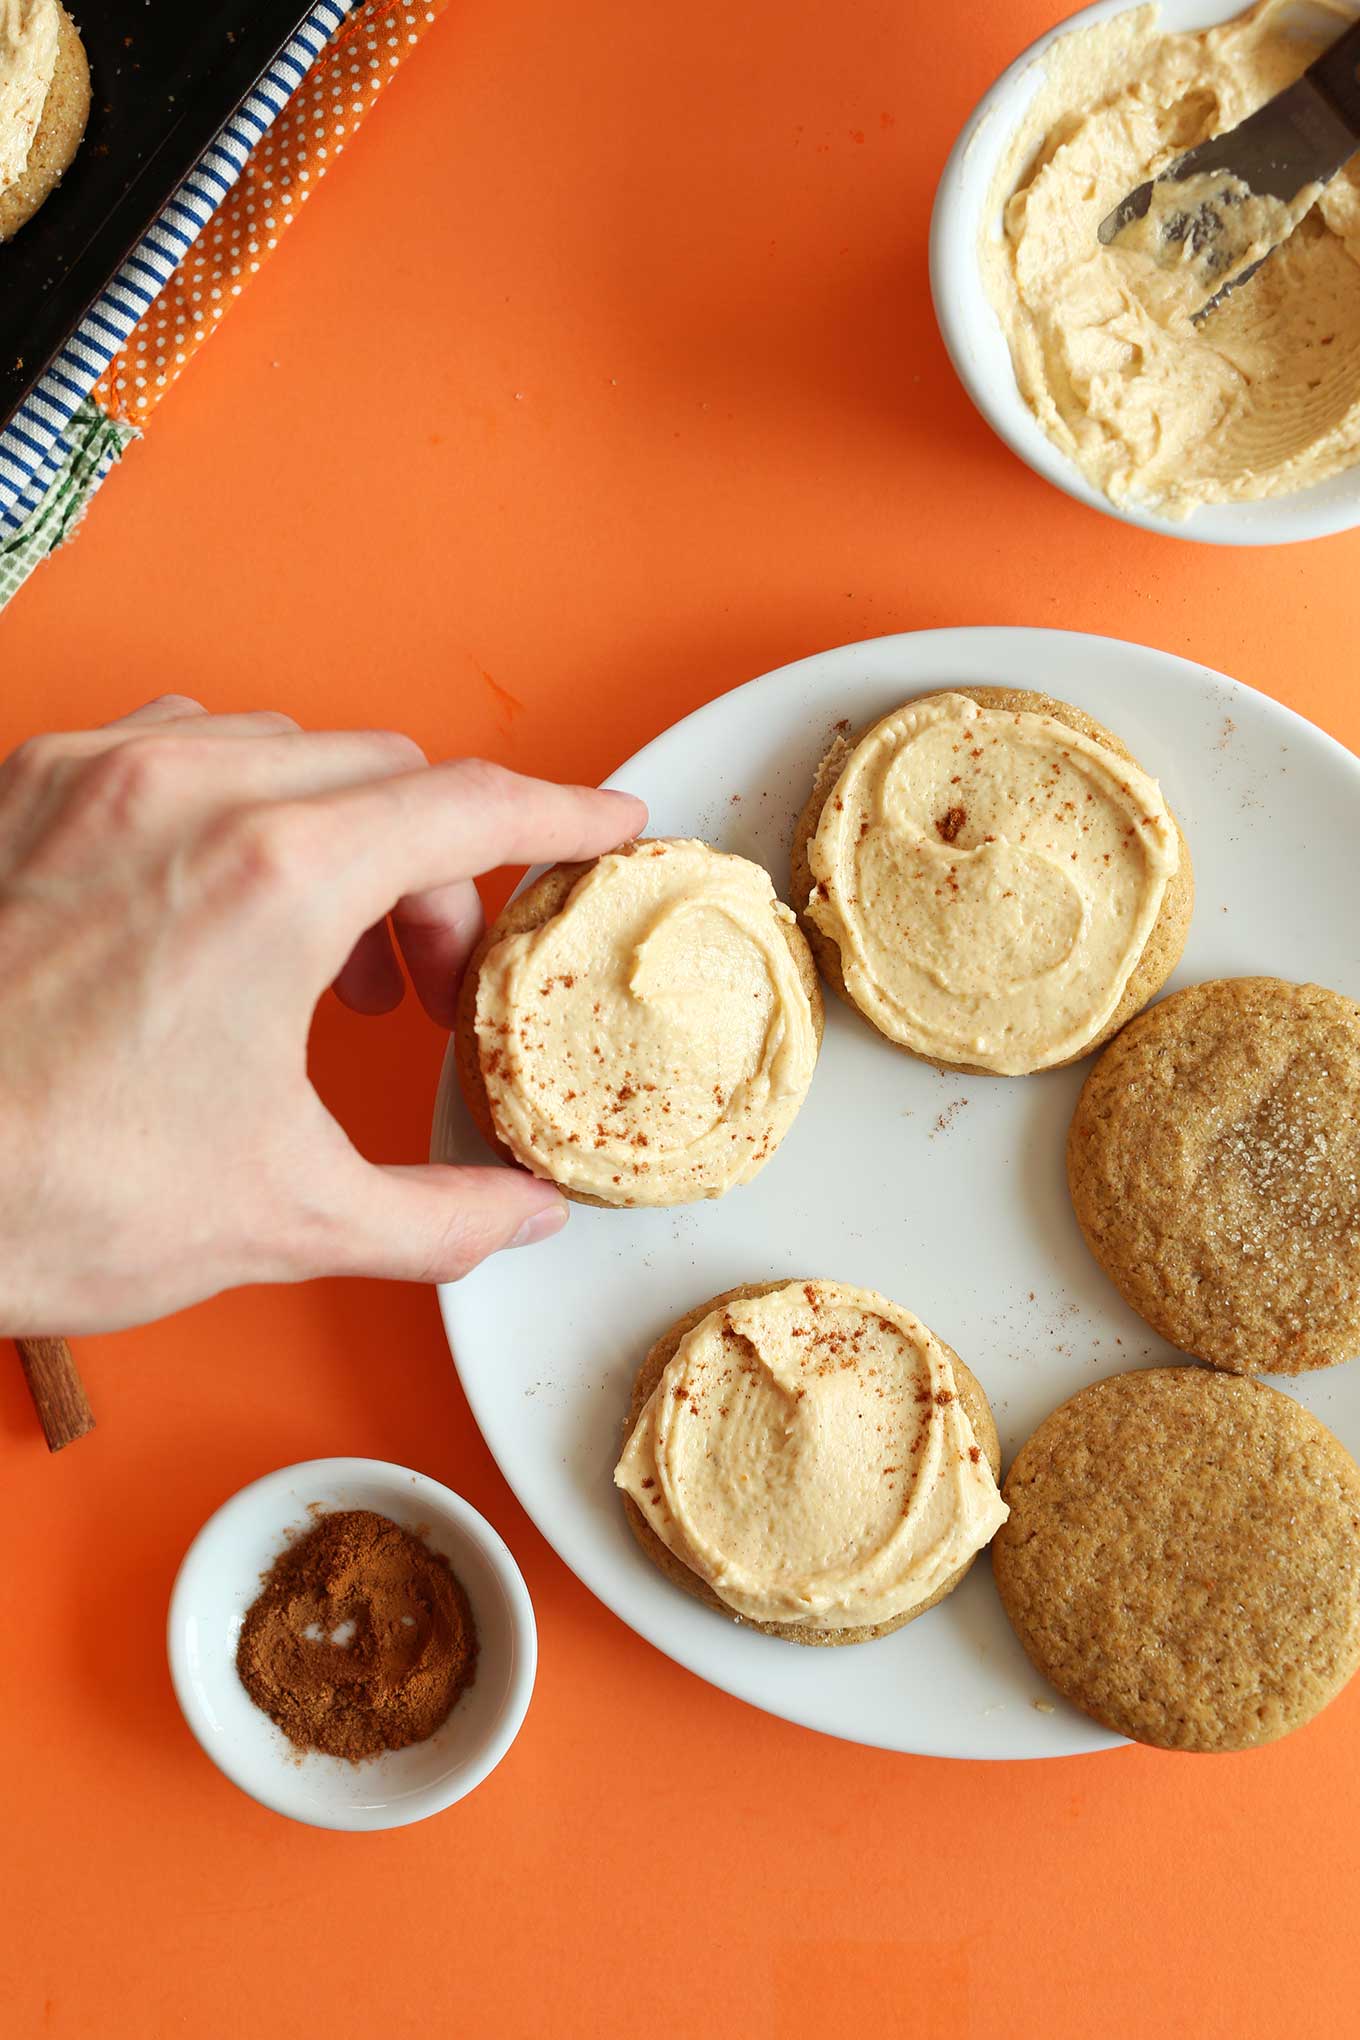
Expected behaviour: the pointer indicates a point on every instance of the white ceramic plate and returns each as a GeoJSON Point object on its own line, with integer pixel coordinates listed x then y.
{"type": "Point", "coordinates": [946, 1193]}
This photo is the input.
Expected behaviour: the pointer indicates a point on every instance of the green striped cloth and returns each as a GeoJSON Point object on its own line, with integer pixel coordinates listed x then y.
{"type": "Point", "coordinates": [92, 443]}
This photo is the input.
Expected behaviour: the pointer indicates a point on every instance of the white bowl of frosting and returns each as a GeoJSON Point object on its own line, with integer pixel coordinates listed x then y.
{"type": "Point", "coordinates": [1309, 416]}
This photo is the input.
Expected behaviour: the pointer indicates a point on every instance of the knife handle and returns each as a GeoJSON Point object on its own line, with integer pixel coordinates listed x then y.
{"type": "Point", "coordinates": [1337, 73]}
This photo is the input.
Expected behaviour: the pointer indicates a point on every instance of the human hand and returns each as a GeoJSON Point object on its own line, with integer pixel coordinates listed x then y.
{"type": "Point", "coordinates": [177, 891]}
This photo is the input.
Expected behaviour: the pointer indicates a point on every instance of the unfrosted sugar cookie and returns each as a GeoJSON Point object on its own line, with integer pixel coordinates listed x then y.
{"type": "Point", "coordinates": [989, 878]}
{"type": "Point", "coordinates": [1182, 1558]}
{"type": "Point", "coordinates": [1214, 1165]}
{"type": "Point", "coordinates": [809, 1459]}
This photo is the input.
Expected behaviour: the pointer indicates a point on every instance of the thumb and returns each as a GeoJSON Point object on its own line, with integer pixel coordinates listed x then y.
{"type": "Point", "coordinates": [433, 1224]}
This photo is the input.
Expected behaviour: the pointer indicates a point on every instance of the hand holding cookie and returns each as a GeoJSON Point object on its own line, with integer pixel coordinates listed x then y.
{"type": "Point", "coordinates": [177, 891]}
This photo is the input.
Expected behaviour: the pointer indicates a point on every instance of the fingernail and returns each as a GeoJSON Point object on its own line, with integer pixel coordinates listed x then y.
{"type": "Point", "coordinates": [542, 1225]}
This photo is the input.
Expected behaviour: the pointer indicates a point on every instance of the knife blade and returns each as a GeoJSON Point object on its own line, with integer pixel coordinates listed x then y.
{"type": "Point", "coordinates": [1300, 138]}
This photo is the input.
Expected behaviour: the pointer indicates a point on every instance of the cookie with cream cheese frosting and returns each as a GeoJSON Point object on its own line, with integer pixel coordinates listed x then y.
{"type": "Point", "coordinates": [1000, 888]}
{"type": "Point", "coordinates": [640, 1029]}
{"type": "Point", "coordinates": [732, 1386]}
{"type": "Point", "coordinates": [58, 134]}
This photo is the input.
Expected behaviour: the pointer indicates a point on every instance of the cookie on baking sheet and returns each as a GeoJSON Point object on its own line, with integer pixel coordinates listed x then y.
{"type": "Point", "coordinates": [1182, 1558]}
{"type": "Point", "coordinates": [989, 878]}
{"type": "Point", "coordinates": [837, 1344]}
{"type": "Point", "coordinates": [641, 1029]}
{"type": "Point", "coordinates": [1214, 1165]}
{"type": "Point", "coordinates": [60, 131]}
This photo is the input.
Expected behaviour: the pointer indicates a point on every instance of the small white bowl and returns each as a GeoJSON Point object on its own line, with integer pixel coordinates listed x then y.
{"type": "Point", "coordinates": [219, 1579]}
{"type": "Point", "coordinates": [972, 332]}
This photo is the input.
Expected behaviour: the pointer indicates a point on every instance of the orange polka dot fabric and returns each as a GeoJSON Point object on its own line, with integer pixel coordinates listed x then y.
{"type": "Point", "coordinates": [280, 176]}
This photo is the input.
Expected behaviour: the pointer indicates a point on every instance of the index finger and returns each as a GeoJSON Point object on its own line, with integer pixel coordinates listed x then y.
{"type": "Point", "coordinates": [418, 831]}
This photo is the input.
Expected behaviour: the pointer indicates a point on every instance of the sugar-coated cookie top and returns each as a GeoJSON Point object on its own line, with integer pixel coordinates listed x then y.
{"type": "Point", "coordinates": [990, 879]}
{"type": "Point", "coordinates": [1214, 1163]}
{"type": "Point", "coordinates": [805, 1452]}
{"type": "Point", "coordinates": [652, 1042]}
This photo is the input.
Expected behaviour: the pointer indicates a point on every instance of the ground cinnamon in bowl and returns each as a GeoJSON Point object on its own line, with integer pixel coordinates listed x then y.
{"type": "Point", "coordinates": [361, 1639]}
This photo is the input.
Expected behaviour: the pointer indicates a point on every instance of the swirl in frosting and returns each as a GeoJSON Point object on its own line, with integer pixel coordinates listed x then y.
{"type": "Point", "coordinates": [806, 1454]}
{"type": "Point", "coordinates": [653, 1041]}
{"type": "Point", "coordinates": [990, 879]}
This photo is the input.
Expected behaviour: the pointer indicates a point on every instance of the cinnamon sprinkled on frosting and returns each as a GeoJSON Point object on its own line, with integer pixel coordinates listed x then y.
{"type": "Point", "coordinates": [990, 879]}
{"type": "Point", "coordinates": [653, 1041]}
{"type": "Point", "coordinates": [806, 1454]}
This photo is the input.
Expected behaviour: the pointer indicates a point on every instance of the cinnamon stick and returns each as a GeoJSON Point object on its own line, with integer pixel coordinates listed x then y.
{"type": "Point", "coordinates": [57, 1390]}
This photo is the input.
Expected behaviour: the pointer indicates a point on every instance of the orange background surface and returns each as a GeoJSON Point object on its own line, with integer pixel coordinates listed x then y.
{"type": "Point", "coordinates": [601, 377]}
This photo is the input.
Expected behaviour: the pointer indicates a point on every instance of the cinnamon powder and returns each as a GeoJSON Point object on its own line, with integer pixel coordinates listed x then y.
{"type": "Point", "coordinates": [361, 1639]}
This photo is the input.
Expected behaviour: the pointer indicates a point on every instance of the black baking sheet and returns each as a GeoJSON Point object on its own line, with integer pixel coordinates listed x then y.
{"type": "Point", "coordinates": [165, 75]}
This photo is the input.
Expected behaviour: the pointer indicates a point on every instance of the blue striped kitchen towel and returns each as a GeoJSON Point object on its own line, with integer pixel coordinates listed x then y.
{"type": "Point", "coordinates": [60, 444]}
